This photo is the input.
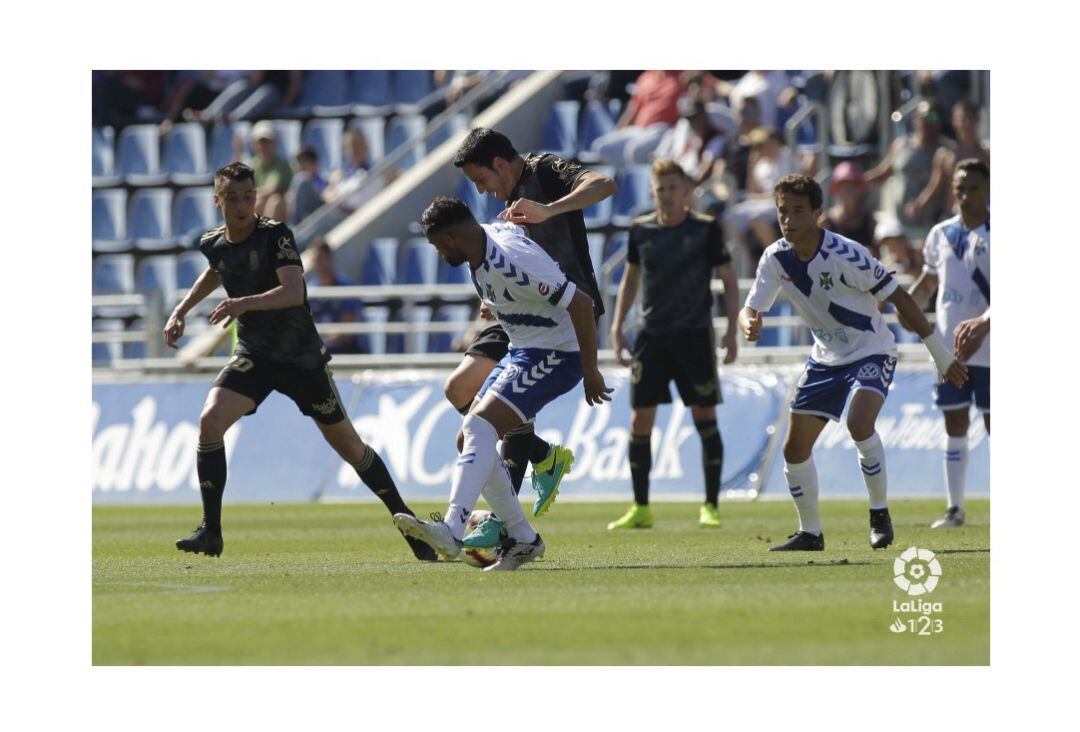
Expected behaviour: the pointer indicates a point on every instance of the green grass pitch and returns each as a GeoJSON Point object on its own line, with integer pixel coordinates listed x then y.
{"type": "Point", "coordinates": [335, 584]}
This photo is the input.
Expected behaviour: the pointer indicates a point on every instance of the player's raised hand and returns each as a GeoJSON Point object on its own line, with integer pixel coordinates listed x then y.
{"type": "Point", "coordinates": [227, 311]}
{"type": "Point", "coordinates": [596, 391]}
{"type": "Point", "coordinates": [750, 325]}
{"type": "Point", "coordinates": [621, 346]}
{"type": "Point", "coordinates": [957, 373]}
{"type": "Point", "coordinates": [173, 330]}
{"type": "Point", "coordinates": [524, 211]}
{"type": "Point", "coordinates": [731, 345]}
{"type": "Point", "coordinates": [969, 335]}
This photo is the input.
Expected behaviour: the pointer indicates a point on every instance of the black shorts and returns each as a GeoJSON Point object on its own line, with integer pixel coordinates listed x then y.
{"type": "Point", "coordinates": [313, 390]}
{"type": "Point", "coordinates": [492, 342]}
{"type": "Point", "coordinates": [688, 357]}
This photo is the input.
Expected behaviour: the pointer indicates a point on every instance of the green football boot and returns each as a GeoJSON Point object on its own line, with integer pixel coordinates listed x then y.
{"type": "Point", "coordinates": [488, 534]}
{"type": "Point", "coordinates": [638, 517]}
{"type": "Point", "coordinates": [548, 474]}
{"type": "Point", "coordinates": [709, 517]}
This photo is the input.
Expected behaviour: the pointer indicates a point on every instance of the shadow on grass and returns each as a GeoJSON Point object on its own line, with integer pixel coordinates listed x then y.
{"type": "Point", "coordinates": [807, 565]}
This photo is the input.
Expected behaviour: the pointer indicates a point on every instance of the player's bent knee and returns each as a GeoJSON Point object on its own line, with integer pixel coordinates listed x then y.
{"type": "Point", "coordinates": [460, 441]}
{"type": "Point", "coordinates": [860, 429]}
{"type": "Point", "coordinates": [795, 453]}
{"type": "Point", "coordinates": [212, 425]}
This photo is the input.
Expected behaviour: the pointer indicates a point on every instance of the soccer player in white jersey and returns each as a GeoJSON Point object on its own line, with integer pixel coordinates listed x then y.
{"type": "Point", "coordinates": [552, 347]}
{"type": "Point", "coordinates": [957, 254]}
{"type": "Point", "coordinates": [833, 282]}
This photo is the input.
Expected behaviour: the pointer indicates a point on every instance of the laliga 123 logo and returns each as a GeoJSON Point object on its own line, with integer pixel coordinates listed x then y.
{"type": "Point", "coordinates": [916, 571]}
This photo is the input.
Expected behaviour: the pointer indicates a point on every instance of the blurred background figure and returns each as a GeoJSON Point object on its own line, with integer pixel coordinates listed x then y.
{"type": "Point", "coordinates": [306, 189]}
{"type": "Point", "coordinates": [849, 215]}
{"type": "Point", "coordinates": [965, 123]}
{"type": "Point", "coordinates": [694, 143]}
{"type": "Point", "coordinates": [273, 174]}
{"type": "Point", "coordinates": [652, 109]}
{"type": "Point", "coordinates": [252, 96]}
{"type": "Point", "coordinates": [893, 249]}
{"type": "Point", "coordinates": [752, 221]}
{"type": "Point", "coordinates": [332, 310]}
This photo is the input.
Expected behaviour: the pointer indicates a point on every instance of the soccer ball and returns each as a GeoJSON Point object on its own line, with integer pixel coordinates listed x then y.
{"type": "Point", "coordinates": [479, 556]}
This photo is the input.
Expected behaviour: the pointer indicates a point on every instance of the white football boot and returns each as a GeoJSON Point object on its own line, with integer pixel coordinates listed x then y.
{"type": "Point", "coordinates": [435, 533]}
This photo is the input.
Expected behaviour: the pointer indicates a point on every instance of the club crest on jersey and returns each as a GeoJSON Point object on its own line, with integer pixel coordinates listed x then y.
{"type": "Point", "coordinates": [543, 288]}
{"type": "Point", "coordinates": [286, 250]}
{"type": "Point", "coordinates": [826, 281]}
{"type": "Point", "coordinates": [869, 372]}
{"type": "Point", "coordinates": [980, 247]}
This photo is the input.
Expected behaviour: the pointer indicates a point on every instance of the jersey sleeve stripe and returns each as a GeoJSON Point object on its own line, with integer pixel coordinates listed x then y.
{"type": "Point", "coordinates": [884, 281]}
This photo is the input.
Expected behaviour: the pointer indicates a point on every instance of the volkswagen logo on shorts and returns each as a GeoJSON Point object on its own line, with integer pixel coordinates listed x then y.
{"type": "Point", "coordinates": [868, 372]}
{"type": "Point", "coordinates": [916, 571]}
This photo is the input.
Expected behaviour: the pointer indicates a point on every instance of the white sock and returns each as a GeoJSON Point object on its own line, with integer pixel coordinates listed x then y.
{"type": "Point", "coordinates": [802, 482]}
{"type": "Point", "coordinates": [471, 471]}
{"type": "Point", "coordinates": [956, 460]}
{"type": "Point", "coordinates": [872, 464]}
{"type": "Point", "coordinates": [504, 504]}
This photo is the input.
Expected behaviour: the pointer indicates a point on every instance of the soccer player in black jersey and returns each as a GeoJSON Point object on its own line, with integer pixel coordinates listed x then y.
{"type": "Point", "coordinates": [675, 251]}
{"type": "Point", "coordinates": [278, 349]}
{"type": "Point", "coordinates": [545, 195]}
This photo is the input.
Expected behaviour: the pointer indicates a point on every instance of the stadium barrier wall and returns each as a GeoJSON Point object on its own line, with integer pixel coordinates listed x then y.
{"type": "Point", "coordinates": [144, 437]}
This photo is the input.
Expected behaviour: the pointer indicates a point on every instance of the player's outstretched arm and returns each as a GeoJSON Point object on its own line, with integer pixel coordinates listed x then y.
{"type": "Point", "coordinates": [731, 305]}
{"type": "Point", "coordinates": [909, 311]}
{"type": "Point", "coordinates": [628, 290]}
{"type": "Point", "coordinates": [581, 315]}
{"type": "Point", "coordinates": [750, 323]}
{"type": "Point", "coordinates": [288, 294]}
{"type": "Point", "coordinates": [208, 282]}
{"type": "Point", "coordinates": [590, 188]}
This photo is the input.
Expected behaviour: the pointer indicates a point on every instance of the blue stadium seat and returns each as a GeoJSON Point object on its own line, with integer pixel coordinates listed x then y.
{"type": "Point", "coordinates": [595, 121]}
{"type": "Point", "coordinates": [185, 155]}
{"type": "Point", "coordinates": [442, 342]}
{"type": "Point", "coordinates": [103, 354]}
{"type": "Point", "coordinates": [410, 86]}
{"type": "Point", "coordinates": [379, 266]}
{"type": "Point", "coordinates": [403, 128]}
{"type": "Point", "coordinates": [374, 343]}
{"type": "Point", "coordinates": [189, 266]}
{"type": "Point", "coordinates": [103, 158]}
{"type": "Point", "coordinates": [221, 142]}
{"type": "Point", "coordinates": [374, 131]}
{"type": "Point", "coordinates": [777, 335]}
{"type": "Point", "coordinates": [369, 92]}
{"type": "Point", "coordinates": [139, 156]}
{"type": "Point", "coordinates": [561, 129]}
{"type": "Point", "coordinates": [150, 219]}
{"type": "Point", "coordinates": [596, 252]}
{"type": "Point", "coordinates": [324, 136]}
{"type": "Point", "coordinates": [417, 342]}
{"type": "Point", "coordinates": [109, 220]}
{"type": "Point", "coordinates": [484, 207]}
{"type": "Point", "coordinates": [157, 274]}
{"type": "Point", "coordinates": [288, 137]}
{"type": "Point", "coordinates": [635, 194]}
{"type": "Point", "coordinates": [456, 124]}
{"type": "Point", "coordinates": [419, 263]}
{"type": "Point", "coordinates": [194, 213]}
{"type": "Point", "coordinates": [325, 93]}
{"type": "Point", "coordinates": [448, 275]}
{"type": "Point", "coordinates": [136, 349]}
{"type": "Point", "coordinates": [598, 215]}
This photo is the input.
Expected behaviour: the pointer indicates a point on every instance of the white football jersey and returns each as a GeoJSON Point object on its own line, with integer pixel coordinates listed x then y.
{"type": "Point", "coordinates": [525, 289]}
{"type": "Point", "coordinates": [960, 258]}
{"type": "Point", "coordinates": [834, 293]}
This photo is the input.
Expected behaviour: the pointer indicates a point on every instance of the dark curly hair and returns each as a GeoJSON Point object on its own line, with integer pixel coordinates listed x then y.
{"type": "Point", "coordinates": [482, 146]}
{"type": "Point", "coordinates": [800, 185]}
{"type": "Point", "coordinates": [443, 212]}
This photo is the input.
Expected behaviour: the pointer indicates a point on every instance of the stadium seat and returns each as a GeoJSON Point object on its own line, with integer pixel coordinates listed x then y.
{"type": "Point", "coordinates": [324, 136]}
{"type": "Point", "coordinates": [448, 275]}
{"type": "Point", "coordinates": [417, 341]}
{"type": "Point", "coordinates": [596, 253]}
{"type": "Point", "coordinates": [419, 263]}
{"type": "Point", "coordinates": [595, 121]}
{"type": "Point", "coordinates": [442, 342]}
{"type": "Point", "coordinates": [105, 353]}
{"type": "Point", "coordinates": [777, 335]}
{"type": "Point", "coordinates": [288, 137]}
{"type": "Point", "coordinates": [485, 207]}
{"type": "Point", "coordinates": [157, 274]}
{"type": "Point", "coordinates": [369, 92]}
{"type": "Point", "coordinates": [325, 94]}
{"type": "Point", "coordinates": [379, 266]}
{"type": "Point", "coordinates": [103, 158]}
{"type": "Point", "coordinates": [401, 129]}
{"type": "Point", "coordinates": [221, 142]}
{"type": "Point", "coordinates": [635, 194]}
{"type": "Point", "coordinates": [598, 215]}
{"type": "Point", "coordinates": [560, 130]}
{"type": "Point", "coordinates": [108, 215]}
{"type": "Point", "coordinates": [113, 274]}
{"type": "Point", "coordinates": [194, 213]}
{"type": "Point", "coordinates": [410, 86]}
{"type": "Point", "coordinates": [150, 220]}
{"type": "Point", "coordinates": [139, 156]}
{"type": "Point", "coordinates": [136, 349]}
{"type": "Point", "coordinates": [189, 266]}
{"type": "Point", "coordinates": [374, 131]}
{"type": "Point", "coordinates": [455, 125]}
{"type": "Point", "coordinates": [374, 343]}
{"type": "Point", "coordinates": [185, 155]}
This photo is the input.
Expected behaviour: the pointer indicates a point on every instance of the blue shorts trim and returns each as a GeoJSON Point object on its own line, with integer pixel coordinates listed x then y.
{"type": "Point", "coordinates": [527, 379]}
{"type": "Point", "coordinates": [976, 389]}
{"type": "Point", "coordinates": [823, 390]}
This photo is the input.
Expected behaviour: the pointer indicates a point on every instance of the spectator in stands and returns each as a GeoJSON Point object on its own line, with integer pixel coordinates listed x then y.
{"type": "Point", "coordinates": [306, 189]}
{"type": "Point", "coordinates": [729, 174]}
{"type": "Point", "coordinates": [332, 310]}
{"type": "Point", "coordinates": [273, 175]}
{"type": "Point", "coordinates": [965, 121]}
{"type": "Point", "coordinates": [849, 216]}
{"type": "Point", "coordinates": [905, 171]}
{"type": "Point", "coordinates": [253, 96]}
{"type": "Point", "coordinates": [773, 91]}
{"type": "Point", "coordinates": [894, 250]}
{"type": "Point", "coordinates": [652, 109]}
{"type": "Point", "coordinates": [770, 160]}
{"type": "Point", "coordinates": [195, 91]}
{"type": "Point", "coordinates": [693, 142]}
{"type": "Point", "coordinates": [125, 97]}
{"type": "Point", "coordinates": [350, 186]}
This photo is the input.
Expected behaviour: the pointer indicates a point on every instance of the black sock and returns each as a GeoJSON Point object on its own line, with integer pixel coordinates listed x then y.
{"type": "Point", "coordinates": [640, 465]}
{"type": "Point", "coordinates": [210, 464]}
{"type": "Point", "coordinates": [712, 458]}
{"type": "Point", "coordinates": [539, 450]}
{"type": "Point", "coordinates": [520, 447]}
{"type": "Point", "coordinates": [372, 470]}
